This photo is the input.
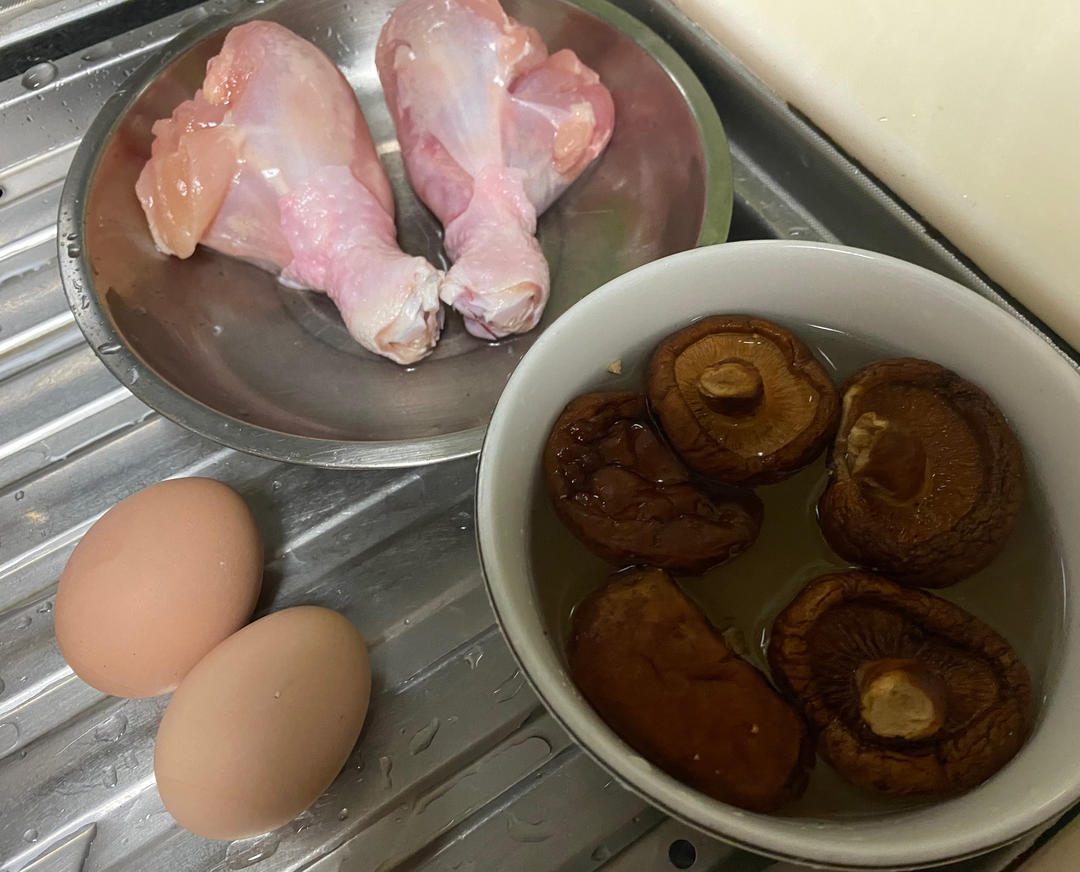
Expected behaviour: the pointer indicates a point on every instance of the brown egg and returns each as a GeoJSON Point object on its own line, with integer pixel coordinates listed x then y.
{"type": "Point", "coordinates": [262, 725]}
{"type": "Point", "coordinates": [155, 583]}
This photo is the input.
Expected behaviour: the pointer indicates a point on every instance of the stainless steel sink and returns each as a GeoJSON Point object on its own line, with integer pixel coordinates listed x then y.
{"type": "Point", "coordinates": [459, 768]}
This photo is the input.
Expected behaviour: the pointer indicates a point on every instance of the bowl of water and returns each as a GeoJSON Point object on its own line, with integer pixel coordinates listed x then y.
{"type": "Point", "coordinates": [850, 307]}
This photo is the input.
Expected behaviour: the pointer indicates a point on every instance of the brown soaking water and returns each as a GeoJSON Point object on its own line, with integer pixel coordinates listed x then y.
{"type": "Point", "coordinates": [1021, 594]}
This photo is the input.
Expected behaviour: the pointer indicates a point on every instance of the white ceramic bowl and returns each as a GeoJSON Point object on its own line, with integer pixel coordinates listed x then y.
{"type": "Point", "coordinates": [891, 304]}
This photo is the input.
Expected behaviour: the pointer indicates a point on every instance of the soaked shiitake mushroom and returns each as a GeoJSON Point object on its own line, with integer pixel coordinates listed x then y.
{"type": "Point", "coordinates": [909, 693]}
{"type": "Point", "coordinates": [925, 475]}
{"type": "Point", "coordinates": [662, 677]}
{"type": "Point", "coordinates": [618, 488]}
{"type": "Point", "coordinates": [741, 399]}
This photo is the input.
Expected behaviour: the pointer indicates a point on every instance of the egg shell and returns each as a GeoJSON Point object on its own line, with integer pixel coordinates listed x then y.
{"type": "Point", "coordinates": [262, 724]}
{"type": "Point", "coordinates": [156, 582]}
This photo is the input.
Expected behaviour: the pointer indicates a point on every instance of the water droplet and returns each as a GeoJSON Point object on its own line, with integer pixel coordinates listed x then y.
{"type": "Point", "coordinates": [526, 831]}
{"type": "Point", "coordinates": [884, 118]}
{"type": "Point", "coordinates": [343, 814]}
{"type": "Point", "coordinates": [99, 51]}
{"type": "Point", "coordinates": [31, 835]}
{"type": "Point", "coordinates": [473, 656]}
{"type": "Point", "coordinates": [134, 377]}
{"type": "Point", "coordinates": [108, 776]}
{"type": "Point", "coordinates": [601, 854]}
{"type": "Point", "coordinates": [247, 852]}
{"type": "Point", "coordinates": [22, 622]}
{"type": "Point", "coordinates": [386, 764]}
{"type": "Point", "coordinates": [9, 737]}
{"type": "Point", "coordinates": [39, 75]}
{"type": "Point", "coordinates": [424, 737]}
{"type": "Point", "coordinates": [19, 495]}
{"type": "Point", "coordinates": [216, 329]}
{"type": "Point", "coordinates": [112, 729]}
{"type": "Point", "coordinates": [84, 301]}
{"type": "Point", "coordinates": [108, 348]}
{"type": "Point", "coordinates": [74, 249]}
{"type": "Point", "coordinates": [275, 485]}
{"type": "Point", "coordinates": [302, 821]}
{"type": "Point", "coordinates": [510, 688]}
{"type": "Point", "coordinates": [45, 607]}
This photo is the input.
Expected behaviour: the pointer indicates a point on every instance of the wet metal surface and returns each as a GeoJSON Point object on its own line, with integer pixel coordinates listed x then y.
{"type": "Point", "coordinates": [458, 768]}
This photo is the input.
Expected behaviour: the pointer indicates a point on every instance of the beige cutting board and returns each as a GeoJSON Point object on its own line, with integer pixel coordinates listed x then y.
{"type": "Point", "coordinates": [969, 110]}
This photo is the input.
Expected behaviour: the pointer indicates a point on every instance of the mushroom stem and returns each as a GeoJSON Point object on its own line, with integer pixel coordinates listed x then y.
{"type": "Point", "coordinates": [886, 456]}
{"type": "Point", "coordinates": [731, 387]}
{"type": "Point", "coordinates": [901, 699]}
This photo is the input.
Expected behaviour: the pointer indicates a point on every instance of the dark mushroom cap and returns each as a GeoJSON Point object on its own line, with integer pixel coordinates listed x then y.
{"type": "Point", "coordinates": [618, 488]}
{"type": "Point", "coordinates": [662, 677]}
{"type": "Point", "coordinates": [741, 399]}
{"type": "Point", "coordinates": [926, 477]}
{"type": "Point", "coordinates": [909, 693]}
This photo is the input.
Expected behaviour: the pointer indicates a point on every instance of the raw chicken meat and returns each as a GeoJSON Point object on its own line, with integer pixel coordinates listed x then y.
{"type": "Point", "coordinates": [492, 131]}
{"type": "Point", "coordinates": [273, 162]}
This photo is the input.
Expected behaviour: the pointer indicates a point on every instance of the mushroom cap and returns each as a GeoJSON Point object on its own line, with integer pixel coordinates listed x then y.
{"type": "Point", "coordinates": [741, 399]}
{"type": "Point", "coordinates": [620, 490]}
{"type": "Point", "coordinates": [662, 677]}
{"type": "Point", "coordinates": [962, 696]}
{"type": "Point", "coordinates": [926, 477]}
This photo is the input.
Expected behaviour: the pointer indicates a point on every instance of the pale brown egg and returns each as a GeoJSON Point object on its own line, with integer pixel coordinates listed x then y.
{"type": "Point", "coordinates": [156, 582]}
{"type": "Point", "coordinates": [262, 724]}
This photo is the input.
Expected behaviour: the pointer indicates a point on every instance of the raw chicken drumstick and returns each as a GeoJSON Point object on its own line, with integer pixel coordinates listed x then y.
{"type": "Point", "coordinates": [273, 162]}
{"type": "Point", "coordinates": [492, 131]}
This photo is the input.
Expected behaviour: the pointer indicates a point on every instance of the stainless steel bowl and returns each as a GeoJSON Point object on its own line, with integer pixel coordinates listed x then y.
{"type": "Point", "coordinates": [221, 348]}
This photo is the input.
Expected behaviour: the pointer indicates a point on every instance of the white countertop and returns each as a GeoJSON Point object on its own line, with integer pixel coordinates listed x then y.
{"type": "Point", "coordinates": [969, 111]}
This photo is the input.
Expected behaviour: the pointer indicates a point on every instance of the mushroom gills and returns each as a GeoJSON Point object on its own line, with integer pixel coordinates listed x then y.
{"type": "Point", "coordinates": [926, 475]}
{"type": "Point", "coordinates": [741, 400]}
{"type": "Point", "coordinates": [909, 693]}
